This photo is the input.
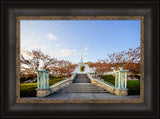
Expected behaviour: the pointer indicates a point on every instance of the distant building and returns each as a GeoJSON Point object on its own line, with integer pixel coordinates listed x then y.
{"type": "Point", "coordinates": [87, 69]}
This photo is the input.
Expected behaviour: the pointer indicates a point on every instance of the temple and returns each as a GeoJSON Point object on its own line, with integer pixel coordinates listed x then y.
{"type": "Point", "coordinates": [87, 69]}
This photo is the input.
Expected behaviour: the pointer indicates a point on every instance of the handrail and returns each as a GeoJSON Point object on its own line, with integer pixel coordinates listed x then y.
{"type": "Point", "coordinates": [63, 81]}
{"type": "Point", "coordinates": [59, 82]}
{"type": "Point", "coordinates": [103, 82]}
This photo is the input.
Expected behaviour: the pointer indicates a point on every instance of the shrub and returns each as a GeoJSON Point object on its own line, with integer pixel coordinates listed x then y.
{"type": "Point", "coordinates": [51, 75]}
{"type": "Point", "coordinates": [28, 77]}
{"type": "Point", "coordinates": [131, 76]}
{"type": "Point", "coordinates": [82, 68]}
{"type": "Point", "coordinates": [57, 76]}
{"type": "Point", "coordinates": [137, 76]}
{"type": "Point", "coordinates": [23, 79]}
{"type": "Point", "coordinates": [31, 76]}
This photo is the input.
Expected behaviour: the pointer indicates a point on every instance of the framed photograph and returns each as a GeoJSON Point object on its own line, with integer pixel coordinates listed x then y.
{"type": "Point", "coordinates": [93, 59]}
{"type": "Point", "coordinates": [54, 71]}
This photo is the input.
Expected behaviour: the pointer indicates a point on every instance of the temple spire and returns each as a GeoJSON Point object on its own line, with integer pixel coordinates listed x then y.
{"type": "Point", "coordinates": [81, 60]}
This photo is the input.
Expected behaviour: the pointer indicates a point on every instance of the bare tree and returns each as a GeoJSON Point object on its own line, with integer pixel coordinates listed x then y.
{"type": "Point", "coordinates": [127, 59]}
{"type": "Point", "coordinates": [32, 63]}
{"type": "Point", "coordinates": [63, 67]}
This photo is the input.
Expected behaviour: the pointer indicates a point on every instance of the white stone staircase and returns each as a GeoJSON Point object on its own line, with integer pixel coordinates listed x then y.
{"type": "Point", "coordinates": [81, 84]}
{"type": "Point", "coordinates": [81, 78]}
{"type": "Point", "coordinates": [82, 88]}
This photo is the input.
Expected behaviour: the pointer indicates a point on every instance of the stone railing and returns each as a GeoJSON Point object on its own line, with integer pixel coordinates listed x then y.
{"type": "Point", "coordinates": [107, 86]}
{"type": "Point", "coordinates": [55, 87]}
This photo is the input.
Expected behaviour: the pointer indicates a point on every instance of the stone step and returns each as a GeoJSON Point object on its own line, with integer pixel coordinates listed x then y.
{"type": "Point", "coordinates": [82, 88]}
{"type": "Point", "coordinates": [85, 88]}
{"type": "Point", "coordinates": [83, 91]}
{"type": "Point", "coordinates": [81, 75]}
{"type": "Point", "coordinates": [81, 78]}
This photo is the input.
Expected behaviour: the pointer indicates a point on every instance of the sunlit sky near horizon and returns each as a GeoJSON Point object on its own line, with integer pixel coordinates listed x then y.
{"type": "Point", "coordinates": [62, 39]}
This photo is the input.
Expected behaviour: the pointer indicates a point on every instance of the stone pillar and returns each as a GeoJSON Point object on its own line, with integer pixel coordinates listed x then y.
{"type": "Point", "coordinates": [37, 80]}
{"type": "Point", "coordinates": [116, 80]}
{"type": "Point", "coordinates": [121, 82]}
{"type": "Point", "coordinates": [42, 83]}
{"type": "Point", "coordinates": [125, 79]}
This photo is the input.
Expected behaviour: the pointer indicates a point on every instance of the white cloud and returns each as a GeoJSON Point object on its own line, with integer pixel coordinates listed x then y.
{"type": "Point", "coordinates": [57, 45]}
{"type": "Point", "coordinates": [67, 52]}
{"type": "Point", "coordinates": [51, 36]}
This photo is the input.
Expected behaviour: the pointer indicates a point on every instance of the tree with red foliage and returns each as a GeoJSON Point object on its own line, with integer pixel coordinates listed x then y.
{"type": "Point", "coordinates": [63, 67]}
{"type": "Point", "coordinates": [127, 59]}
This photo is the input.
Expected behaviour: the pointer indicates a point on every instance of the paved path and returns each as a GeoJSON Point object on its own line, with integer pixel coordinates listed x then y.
{"type": "Point", "coordinates": [94, 96]}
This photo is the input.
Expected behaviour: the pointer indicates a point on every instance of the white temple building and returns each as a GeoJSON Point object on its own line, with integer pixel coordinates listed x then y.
{"type": "Point", "coordinates": [92, 70]}
{"type": "Point", "coordinates": [87, 69]}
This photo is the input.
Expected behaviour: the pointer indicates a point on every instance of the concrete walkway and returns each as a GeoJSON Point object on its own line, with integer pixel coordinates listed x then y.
{"type": "Point", "coordinates": [85, 96]}
{"type": "Point", "coordinates": [95, 96]}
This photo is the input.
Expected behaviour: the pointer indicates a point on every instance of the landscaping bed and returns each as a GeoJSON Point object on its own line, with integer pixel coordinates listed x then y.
{"type": "Point", "coordinates": [28, 89]}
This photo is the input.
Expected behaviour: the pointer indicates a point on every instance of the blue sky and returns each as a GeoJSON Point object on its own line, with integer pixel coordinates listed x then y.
{"type": "Point", "coordinates": [62, 39]}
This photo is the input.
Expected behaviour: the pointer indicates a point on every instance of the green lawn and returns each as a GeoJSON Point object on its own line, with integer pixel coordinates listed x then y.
{"type": "Point", "coordinates": [109, 79]}
{"type": "Point", "coordinates": [54, 80]}
{"type": "Point", "coordinates": [28, 89]}
{"type": "Point", "coordinates": [132, 85]}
